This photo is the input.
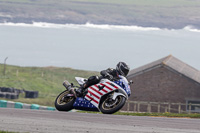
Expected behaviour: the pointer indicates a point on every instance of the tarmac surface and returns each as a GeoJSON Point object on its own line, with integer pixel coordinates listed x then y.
{"type": "Point", "coordinates": [39, 121]}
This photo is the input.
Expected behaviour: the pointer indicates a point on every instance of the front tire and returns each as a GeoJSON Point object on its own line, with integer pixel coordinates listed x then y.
{"type": "Point", "coordinates": [110, 106]}
{"type": "Point", "coordinates": [63, 103]}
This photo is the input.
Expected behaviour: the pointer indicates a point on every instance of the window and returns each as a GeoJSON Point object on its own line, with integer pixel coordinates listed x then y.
{"type": "Point", "coordinates": [195, 105]}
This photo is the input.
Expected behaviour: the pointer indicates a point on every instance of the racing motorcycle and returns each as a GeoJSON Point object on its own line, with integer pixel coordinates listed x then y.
{"type": "Point", "coordinates": [107, 96]}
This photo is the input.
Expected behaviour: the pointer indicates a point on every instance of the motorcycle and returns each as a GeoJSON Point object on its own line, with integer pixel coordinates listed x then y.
{"type": "Point", "coordinates": [107, 96]}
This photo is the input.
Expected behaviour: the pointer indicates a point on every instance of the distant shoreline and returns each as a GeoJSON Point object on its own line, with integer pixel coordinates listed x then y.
{"type": "Point", "coordinates": [114, 24]}
{"type": "Point", "coordinates": [96, 26]}
{"type": "Point", "coordinates": [169, 14]}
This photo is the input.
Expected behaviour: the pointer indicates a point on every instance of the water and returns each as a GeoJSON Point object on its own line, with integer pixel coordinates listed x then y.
{"type": "Point", "coordinates": [95, 47]}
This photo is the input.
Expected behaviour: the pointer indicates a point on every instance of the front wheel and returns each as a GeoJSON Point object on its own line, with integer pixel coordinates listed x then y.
{"type": "Point", "coordinates": [110, 106]}
{"type": "Point", "coordinates": [64, 102]}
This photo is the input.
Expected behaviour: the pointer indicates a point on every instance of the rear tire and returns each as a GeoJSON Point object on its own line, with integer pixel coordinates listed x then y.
{"type": "Point", "coordinates": [63, 103]}
{"type": "Point", "coordinates": [110, 106]}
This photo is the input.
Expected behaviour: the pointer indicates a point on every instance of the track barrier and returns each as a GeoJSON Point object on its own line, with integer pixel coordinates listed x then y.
{"type": "Point", "coordinates": [19, 105]}
{"type": "Point", "coordinates": [13, 93]}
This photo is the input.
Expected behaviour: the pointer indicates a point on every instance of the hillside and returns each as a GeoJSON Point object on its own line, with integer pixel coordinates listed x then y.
{"type": "Point", "coordinates": [47, 80]}
{"type": "Point", "coordinates": [151, 13]}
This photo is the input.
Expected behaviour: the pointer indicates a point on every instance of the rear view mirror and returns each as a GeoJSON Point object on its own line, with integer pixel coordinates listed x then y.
{"type": "Point", "coordinates": [130, 82]}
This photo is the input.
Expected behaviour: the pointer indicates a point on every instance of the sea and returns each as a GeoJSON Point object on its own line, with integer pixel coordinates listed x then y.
{"type": "Point", "coordinates": [95, 47]}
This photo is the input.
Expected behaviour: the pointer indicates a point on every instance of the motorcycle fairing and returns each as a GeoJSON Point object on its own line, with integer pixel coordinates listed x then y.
{"type": "Point", "coordinates": [80, 80]}
{"type": "Point", "coordinates": [84, 104]}
{"type": "Point", "coordinates": [123, 83]}
{"type": "Point", "coordinates": [95, 92]}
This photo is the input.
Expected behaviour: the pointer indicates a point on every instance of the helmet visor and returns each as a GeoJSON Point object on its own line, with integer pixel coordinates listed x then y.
{"type": "Point", "coordinates": [125, 71]}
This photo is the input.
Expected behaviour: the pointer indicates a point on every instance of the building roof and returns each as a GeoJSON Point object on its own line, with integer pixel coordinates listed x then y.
{"type": "Point", "coordinates": [173, 64]}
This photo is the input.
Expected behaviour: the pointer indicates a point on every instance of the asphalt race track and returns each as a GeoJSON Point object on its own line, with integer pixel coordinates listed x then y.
{"type": "Point", "coordinates": [38, 121]}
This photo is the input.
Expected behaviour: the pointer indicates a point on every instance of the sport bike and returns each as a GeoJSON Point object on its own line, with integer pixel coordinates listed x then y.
{"type": "Point", "coordinates": [107, 96]}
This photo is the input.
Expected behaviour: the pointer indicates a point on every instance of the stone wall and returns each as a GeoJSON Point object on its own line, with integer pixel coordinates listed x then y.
{"type": "Point", "coordinates": [163, 84]}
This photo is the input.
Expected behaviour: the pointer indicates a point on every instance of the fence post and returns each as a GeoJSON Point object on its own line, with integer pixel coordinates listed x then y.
{"type": "Point", "coordinates": [134, 107]}
{"type": "Point", "coordinates": [138, 109]}
{"type": "Point", "coordinates": [128, 106]}
{"type": "Point", "coordinates": [17, 73]}
{"type": "Point", "coordinates": [165, 109]}
{"type": "Point", "coordinates": [190, 108]}
{"type": "Point", "coordinates": [179, 108]}
{"type": "Point", "coordinates": [169, 107]}
{"type": "Point", "coordinates": [5, 66]}
{"type": "Point", "coordinates": [149, 107]}
{"type": "Point", "coordinates": [158, 107]}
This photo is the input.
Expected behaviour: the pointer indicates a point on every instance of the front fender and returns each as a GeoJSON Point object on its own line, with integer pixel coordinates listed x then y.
{"type": "Point", "coordinates": [120, 92]}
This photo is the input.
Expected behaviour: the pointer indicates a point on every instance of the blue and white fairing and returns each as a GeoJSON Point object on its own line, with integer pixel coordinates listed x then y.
{"type": "Point", "coordinates": [123, 83]}
{"type": "Point", "coordinates": [83, 104]}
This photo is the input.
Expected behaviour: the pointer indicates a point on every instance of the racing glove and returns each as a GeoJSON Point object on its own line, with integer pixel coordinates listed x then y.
{"type": "Point", "coordinates": [108, 76]}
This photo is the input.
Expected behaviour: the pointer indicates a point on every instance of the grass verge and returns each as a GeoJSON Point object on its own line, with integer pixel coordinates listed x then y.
{"type": "Point", "coordinates": [7, 132]}
{"type": "Point", "coordinates": [170, 115]}
{"type": "Point", "coordinates": [46, 80]}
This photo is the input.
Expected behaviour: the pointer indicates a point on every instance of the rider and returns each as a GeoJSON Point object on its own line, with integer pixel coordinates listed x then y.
{"type": "Point", "coordinates": [112, 74]}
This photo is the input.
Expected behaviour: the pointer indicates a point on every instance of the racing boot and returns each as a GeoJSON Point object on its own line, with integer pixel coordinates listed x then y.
{"type": "Point", "coordinates": [81, 90]}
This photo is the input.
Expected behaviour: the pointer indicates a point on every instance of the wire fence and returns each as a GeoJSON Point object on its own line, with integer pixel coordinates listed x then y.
{"type": "Point", "coordinates": [161, 107]}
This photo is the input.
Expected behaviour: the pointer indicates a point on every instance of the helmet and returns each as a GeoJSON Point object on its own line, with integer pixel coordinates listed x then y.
{"type": "Point", "coordinates": [122, 69]}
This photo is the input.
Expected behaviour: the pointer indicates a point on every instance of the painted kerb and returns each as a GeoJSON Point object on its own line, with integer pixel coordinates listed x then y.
{"type": "Point", "coordinates": [19, 105]}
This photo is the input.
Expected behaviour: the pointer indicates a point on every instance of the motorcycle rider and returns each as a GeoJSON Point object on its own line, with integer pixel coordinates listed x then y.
{"type": "Point", "coordinates": [112, 74]}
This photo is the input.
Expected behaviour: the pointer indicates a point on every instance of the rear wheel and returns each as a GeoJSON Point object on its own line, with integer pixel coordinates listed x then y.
{"type": "Point", "coordinates": [64, 102]}
{"type": "Point", "coordinates": [110, 106]}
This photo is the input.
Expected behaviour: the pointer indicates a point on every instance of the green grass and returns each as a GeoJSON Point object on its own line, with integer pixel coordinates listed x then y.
{"type": "Point", "coordinates": [7, 132]}
{"type": "Point", "coordinates": [47, 80]}
{"type": "Point", "coordinates": [170, 115]}
{"type": "Point", "coordinates": [161, 115]}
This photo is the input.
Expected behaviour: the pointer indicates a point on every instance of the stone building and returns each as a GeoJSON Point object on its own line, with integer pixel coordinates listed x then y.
{"type": "Point", "coordinates": [166, 80]}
